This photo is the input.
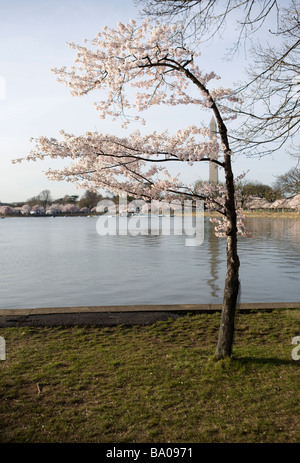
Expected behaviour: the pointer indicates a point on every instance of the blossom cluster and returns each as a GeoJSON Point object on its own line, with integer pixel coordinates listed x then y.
{"type": "Point", "coordinates": [37, 209]}
{"type": "Point", "coordinates": [156, 62]}
{"type": "Point", "coordinates": [137, 164]}
{"type": "Point", "coordinates": [154, 58]}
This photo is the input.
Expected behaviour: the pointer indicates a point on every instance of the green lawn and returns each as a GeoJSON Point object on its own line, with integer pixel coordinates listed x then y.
{"type": "Point", "coordinates": [152, 384]}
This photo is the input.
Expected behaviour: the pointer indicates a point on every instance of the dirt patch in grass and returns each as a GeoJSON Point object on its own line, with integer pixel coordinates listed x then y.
{"type": "Point", "coordinates": [155, 383]}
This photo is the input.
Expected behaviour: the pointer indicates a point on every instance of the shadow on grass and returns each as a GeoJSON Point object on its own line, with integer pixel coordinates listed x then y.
{"type": "Point", "coordinates": [264, 361]}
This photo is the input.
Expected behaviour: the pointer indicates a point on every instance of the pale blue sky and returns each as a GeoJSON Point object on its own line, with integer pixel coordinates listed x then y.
{"type": "Point", "coordinates": [33, 37]}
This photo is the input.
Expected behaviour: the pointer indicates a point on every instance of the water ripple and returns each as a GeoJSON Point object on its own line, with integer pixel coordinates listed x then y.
{"type": "Point", "coordinates": [64, 262]}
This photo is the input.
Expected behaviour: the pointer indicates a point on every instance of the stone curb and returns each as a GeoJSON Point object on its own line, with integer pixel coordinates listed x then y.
{"type": "Point", "coordinates": [117, 315]}
{"type": "Point", "coordinates": [147, 308]}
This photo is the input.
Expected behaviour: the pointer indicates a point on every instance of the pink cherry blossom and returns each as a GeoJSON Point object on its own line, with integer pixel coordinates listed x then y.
{"type": "Point", "coordinates": [133, 68]}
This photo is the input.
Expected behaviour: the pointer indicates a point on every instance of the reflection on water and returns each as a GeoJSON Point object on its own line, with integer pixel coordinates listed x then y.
{"type": "Point", "coordinates": [64, 262]}
{"type": "Point", "coordinates": [279, 229]}
{"type": "Point", "coordinates": [214, 260]}
{"type": "Point", "coordinates": [270, 261]}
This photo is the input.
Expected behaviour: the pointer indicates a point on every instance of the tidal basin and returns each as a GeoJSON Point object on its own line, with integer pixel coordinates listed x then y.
{"type": "Point", "coordinates": [64, 262]}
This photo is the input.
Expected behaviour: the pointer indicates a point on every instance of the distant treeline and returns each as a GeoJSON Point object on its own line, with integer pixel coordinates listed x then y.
{"type": "Point", "coordinates": [43, 204]}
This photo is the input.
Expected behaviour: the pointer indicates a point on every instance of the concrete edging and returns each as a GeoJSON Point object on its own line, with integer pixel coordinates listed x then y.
{"type": "Point", "coordinates": [118, 315]}
{"type": "Point", "coordinates": [147, 308]}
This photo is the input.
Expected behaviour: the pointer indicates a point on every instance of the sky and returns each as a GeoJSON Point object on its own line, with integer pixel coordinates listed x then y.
{"type": "Point", "coordinates": [33, 38]}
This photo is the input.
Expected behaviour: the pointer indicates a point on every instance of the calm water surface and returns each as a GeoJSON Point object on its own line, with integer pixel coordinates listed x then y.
{"type": "Point", "coordinates": [63, 262]}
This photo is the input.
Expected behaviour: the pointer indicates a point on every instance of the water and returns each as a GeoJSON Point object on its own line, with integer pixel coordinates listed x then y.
{"type": "Point", "coordinates": [64, 262]}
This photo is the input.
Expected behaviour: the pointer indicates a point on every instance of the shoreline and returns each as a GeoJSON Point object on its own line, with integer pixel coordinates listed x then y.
{"type": "Point", "coordinates": [263, 214]}
{"type": "Point", "coordinates": [272, 215]}
{"type": "Point", "coordinates": [245, 213]}
{"type": "Point", "coordinates": [139, 315]}
{"type": "Point", "coordinates": [148, 308]}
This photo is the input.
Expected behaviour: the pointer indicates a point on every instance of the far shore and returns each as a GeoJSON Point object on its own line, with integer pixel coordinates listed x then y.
{"type": "Point", "coordinates": [264, 214]}
{"type": "Point", "coordinates": [273, 214]}
{"type": "Point", "coordinates": [247, 213]}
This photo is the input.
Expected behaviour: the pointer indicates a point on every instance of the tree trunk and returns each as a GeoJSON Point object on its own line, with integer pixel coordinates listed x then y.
{"type": "Point", "coordinates": [226, 332]}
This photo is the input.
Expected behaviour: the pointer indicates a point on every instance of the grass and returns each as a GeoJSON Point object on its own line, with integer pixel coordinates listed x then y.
{"type": "Point", "coordinates": [295, 215]}
{"type": "Point", "coordinates": [156, 384]}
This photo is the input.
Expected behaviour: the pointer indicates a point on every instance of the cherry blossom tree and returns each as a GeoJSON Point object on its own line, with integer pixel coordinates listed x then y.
{"type": "Point", "coordinates": [17, 210]}
{"type": "Point", "coordinates": [154, 60]}
{"type": "Point", "coordinates": [37, 210]}
{"type": "Point", "coordinates": [54, 209]}
{"type": "Point", "coordinates": [6, 210]}
{"type": "Point", "coordinates": [70, 208]}
{"type": "Point", "coordinates": [25, 209]}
